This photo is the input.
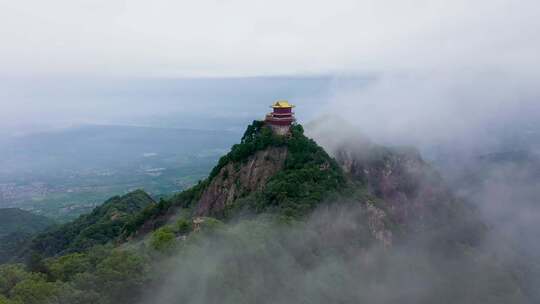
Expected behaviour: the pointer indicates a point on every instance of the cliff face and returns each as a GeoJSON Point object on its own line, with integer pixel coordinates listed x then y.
{"type": "Point", "coordinates": [412, 190]}
{"type": "Point", "coordinates": [265, 172]}
{"type": "Point", "coordinates": [394, 188]}
{"type": "Point", "coordinates": [239, 178]}
{"type": "Point", "coordinates": [412, 193]}
{"type": "Point", "coordinates": [408, 191]}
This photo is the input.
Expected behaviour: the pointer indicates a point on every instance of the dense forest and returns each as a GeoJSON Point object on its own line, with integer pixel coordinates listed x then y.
{"type": "Point", "coordinates": [17, 228]}
{"type": "Point", "coordinates": [104, 224]}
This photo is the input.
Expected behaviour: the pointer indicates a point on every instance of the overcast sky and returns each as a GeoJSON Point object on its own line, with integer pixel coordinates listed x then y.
{"type": "Point", "coordinates": [401, 42]}
{"type": "Point", "coordinates": [239, 38]}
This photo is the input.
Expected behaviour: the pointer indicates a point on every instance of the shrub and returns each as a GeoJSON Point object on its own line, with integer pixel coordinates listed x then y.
{"type": "Point", "coordinates": [210, 224]}
{"type": "Point", "coordinates": [183, 226]}
{"type": "Point", "coordinates": [163, 239]}
{"type": "Point", "coordinates": [34, 290]}
{"type": "Point", "coordinates": [67, 266]}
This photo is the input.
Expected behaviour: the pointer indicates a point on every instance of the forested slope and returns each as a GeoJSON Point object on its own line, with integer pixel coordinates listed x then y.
{"type": "Point", "coordinates": [17, 228]}
{"type": "Point", "coordinates": [277, 221]}
{"type": "Point", "coordinates": [102, 225]}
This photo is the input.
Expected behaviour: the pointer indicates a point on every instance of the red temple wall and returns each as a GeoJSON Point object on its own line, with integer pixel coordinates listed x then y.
{"type": "Point", "coordinates": [282, 110]}
{"type": "Point", "coordinates": [280, 122]}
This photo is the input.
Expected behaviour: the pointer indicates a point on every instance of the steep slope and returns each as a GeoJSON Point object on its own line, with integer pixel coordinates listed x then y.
{"type": "Point", "coordinates": [236, 180]}
{"type": "Point", "coordinates": [377, 226]}
{"type": "Point", "coordinates": [17, 220]}
{"type": "Point", "coordinates": [411, 188]}
{"type": "Point", "coordinates": [412, 193]}
{"type": "Point", "coordinates": [292, 175]}
{"type": "Point", "coordinates": [265, 172]}
{"type": "Point", "coordinates": [399, 193]}
{"type": "Point", "coordinates": [16, 229]}
{"type": "Point", "coordinates": [285, 174]}
{"type": "Point", "coordinates": [394, 233]}
{"type": "Point", "coordinates": [102, 225]}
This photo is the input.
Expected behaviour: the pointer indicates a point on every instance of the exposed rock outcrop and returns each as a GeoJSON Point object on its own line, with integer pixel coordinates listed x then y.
{"type": "Point", "coordinates": [376, 224]}
{"type": "Point", "coordinates": [413, 193]}
{"type": "Point", "coordinates": [237, 179]}
{"type": "Point", "coordinates": [412, 189]}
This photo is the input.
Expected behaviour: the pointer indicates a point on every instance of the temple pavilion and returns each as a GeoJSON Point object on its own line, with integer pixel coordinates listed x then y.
{"type": "Point", "coordinates": [281, 118]}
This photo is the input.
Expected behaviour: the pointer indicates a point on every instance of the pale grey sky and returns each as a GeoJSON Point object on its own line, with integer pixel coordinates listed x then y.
{"type": "Point", "coordinates": [255, 37]}
{"type": "Point", "coordinates": [437, 65]}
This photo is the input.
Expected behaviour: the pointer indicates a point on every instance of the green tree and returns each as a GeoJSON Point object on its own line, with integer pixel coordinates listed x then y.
{"type": "Point", "coordinates": [211, 224]}
{"type": "Point", "coordinates": [121, 276]}
{"type": "Point", "coordinates": [163, 239]}
{"type": "Point", "coordinates": [34, 290]}
{"type": "Point", "coordinates": [183, 226]}
{"type": "Point", "coordinates": [70, 294]}
{"type": "Point", "coordinates": [4, 300]}
{"type": "Point", "coordinates": [65, 267]}
{"type": "Point", "coordinates": [10, 276]}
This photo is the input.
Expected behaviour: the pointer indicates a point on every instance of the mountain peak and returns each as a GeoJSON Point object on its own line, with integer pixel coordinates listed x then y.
{"type": "Point", "coordinates": [266, 172]}
{"type": "Point", "coordinates": [269, 171]}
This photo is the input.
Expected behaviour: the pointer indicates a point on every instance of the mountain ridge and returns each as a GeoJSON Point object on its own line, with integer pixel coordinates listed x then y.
{"type": "Point", "coordinates": [279, 207]}
{"type": "Point", "coordinates": [17, 228]}
{"type": "Point", "coordinates": [285, 174]}
{"type": "Point", "coordinates": [102, 225]}
{"type": "Point", "coordinates": [291, 175]}
{"type": "Point", "coordinates": [18, 220]}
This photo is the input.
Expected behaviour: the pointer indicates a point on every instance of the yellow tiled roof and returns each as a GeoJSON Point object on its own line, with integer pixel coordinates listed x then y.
{"type": "Point", "coordinates": [282, 104]}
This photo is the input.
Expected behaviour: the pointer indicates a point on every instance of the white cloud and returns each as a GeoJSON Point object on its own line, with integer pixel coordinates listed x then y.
{"type": "Point", "coordinates": [231, 38]}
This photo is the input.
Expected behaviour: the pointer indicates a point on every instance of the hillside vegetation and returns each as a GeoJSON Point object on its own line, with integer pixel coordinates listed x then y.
{"type": "Point", "coordinates": [308, 177]}
{"type": "Point", "coordinates": [102, 225]}
{"type": "Point", "coordinates": [277, 221]}
{"type": "Point", "coordinates": [17, 220]}
{"type": "Point", "coordinates": [16, 229]}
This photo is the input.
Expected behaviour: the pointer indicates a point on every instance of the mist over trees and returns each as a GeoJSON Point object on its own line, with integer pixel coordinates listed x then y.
{"type": "Point", "coordinates": [353, 246]}
{"type": "Point", "coordinates": [417, 179]}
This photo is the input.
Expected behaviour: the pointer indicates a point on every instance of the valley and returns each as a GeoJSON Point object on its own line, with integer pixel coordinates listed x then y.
{"type": "Point", "coordinates": [66, 173]}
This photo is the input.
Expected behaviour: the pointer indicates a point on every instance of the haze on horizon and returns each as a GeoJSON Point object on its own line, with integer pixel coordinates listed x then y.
{"type": "Point", "coordinates": [68, 62]}
{"type": "Point", "coordinates": [459, 80]}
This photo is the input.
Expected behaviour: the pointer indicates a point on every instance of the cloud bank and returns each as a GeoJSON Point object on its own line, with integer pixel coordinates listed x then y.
{"type": "Point", "coordinates": [246, 38]}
